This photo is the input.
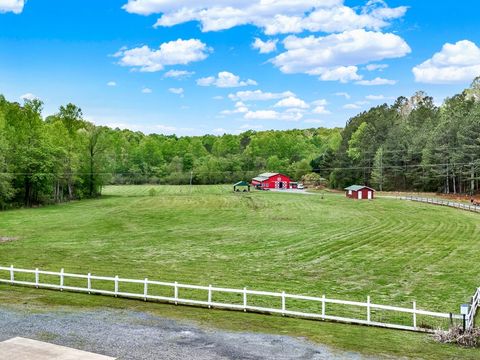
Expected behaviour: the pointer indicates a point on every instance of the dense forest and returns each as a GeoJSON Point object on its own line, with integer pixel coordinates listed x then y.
{"type": "Point", "coordinates": [410, 145]}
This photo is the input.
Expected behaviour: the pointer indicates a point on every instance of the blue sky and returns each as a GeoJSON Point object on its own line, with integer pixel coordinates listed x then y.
{"type": "Point", "coordinates": [194, 67]}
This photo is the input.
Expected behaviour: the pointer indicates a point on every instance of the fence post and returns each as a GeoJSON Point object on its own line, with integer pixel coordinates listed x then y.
{"type": "Point", "coordinates": [368, 309]}
{"type": "Point", "coordinates": [12, 275]}
{"type": "Point", "coordinates": [176, 293]}
{"type": "Point", "coordinates": [116, 285]}
{"type": "Point", "coordinates": [283, 303]}
{"type": "Point", "coordinates": [323, 307]}
{"type": "Point", "coordinates": [145, 289]}
{"type": "Point", "coordinates": [89, 282]}
{"type": "Point", "coordinates": [61, 279]}
{"type": "Point", "coordinates": [209, 296]}
{"type": "Point", "coordinates": [415, 315]}
{"type": "Point", "coordinates": [36, 278]}
{"type": "Point", "coordinates": [245, 299]}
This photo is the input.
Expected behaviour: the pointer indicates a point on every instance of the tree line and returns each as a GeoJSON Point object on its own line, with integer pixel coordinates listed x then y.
{"type": "Point", "coordinates": [411, 145]}
{"type": "Point", "coordinates": [64, 157]}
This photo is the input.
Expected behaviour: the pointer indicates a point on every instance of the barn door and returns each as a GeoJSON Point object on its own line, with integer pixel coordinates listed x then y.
{"type": "Point", "coordinates": [369, 195]}
{"type": "Point", "coordinates": [359, 195]}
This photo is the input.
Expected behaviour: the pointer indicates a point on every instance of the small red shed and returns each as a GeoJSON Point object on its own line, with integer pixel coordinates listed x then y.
{"type": "Point", "coordinates": [360, 192]}
{"type": "Point", "coordinates": [271, 181]}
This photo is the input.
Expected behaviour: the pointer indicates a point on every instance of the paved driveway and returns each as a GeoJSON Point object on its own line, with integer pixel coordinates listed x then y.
{"type": "Point", "coordinates": [133, 335]}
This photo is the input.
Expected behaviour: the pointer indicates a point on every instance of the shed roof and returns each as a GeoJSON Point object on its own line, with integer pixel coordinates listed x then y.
{"type": "Point", "coordinates": [358, 187]}
{"type": "Point", "coordinates": [241, 183]}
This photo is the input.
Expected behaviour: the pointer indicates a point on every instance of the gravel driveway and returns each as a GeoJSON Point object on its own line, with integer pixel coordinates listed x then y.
{"type": "Point", "coordinates": [135, 335]}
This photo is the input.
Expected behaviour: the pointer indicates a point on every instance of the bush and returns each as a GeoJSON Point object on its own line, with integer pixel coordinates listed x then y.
{"type": "Point", "coordinates": [152, 192]}
{"type": "Point", "coordinates": [313, 180]}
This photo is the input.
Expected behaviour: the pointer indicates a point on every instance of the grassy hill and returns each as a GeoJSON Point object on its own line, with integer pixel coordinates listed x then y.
{"type": "Point", "coordinates": [394, 251]}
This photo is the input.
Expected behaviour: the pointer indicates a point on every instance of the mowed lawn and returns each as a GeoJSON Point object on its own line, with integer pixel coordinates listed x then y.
{"type": "Point", "coordinates": [395, 251]}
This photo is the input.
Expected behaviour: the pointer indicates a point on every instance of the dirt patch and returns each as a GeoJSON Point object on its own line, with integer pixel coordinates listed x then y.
{"type": "Point", "coordinates": [5, 239]}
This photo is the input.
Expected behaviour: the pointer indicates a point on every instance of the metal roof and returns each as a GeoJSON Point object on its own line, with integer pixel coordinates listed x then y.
{"type": "Point", "coordinates": [241, 183]}
{"type": "Point", "coordinates": [268, 175]}
{"type": "Point", "coordinates": [264, 176]}
{"type": "Point", "coordinates": [358, 187]}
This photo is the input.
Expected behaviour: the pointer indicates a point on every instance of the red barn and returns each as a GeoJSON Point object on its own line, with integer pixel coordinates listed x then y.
{"type": "Point", "coordinates": [271, 181]}
{"type": "Point", "coordinates": [360, 192]}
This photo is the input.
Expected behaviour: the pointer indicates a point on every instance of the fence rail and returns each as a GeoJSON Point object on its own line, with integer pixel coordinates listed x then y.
{"type": "Point", "coordinates": [146, 285]}
{"type": "Point", "coordinates": [458, 205]}
{"type": "Point", "coordinates": [475, 303]}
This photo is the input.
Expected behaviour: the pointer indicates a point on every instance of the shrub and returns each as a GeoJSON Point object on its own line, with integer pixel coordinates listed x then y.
{"type": "Point", "coordinates": [313, 180]}
{"type": "Point", "coordinates": [152, 192]}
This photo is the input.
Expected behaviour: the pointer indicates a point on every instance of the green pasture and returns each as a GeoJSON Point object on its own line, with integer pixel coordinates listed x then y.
{"type": "Point", "coordinates": [395, 251]}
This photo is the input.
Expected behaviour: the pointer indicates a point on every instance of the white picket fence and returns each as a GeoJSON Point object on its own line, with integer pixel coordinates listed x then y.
{"type": "Point", "coordinates": [475, 303]}
{"type": "Point", "coordinates": [463, 206]}
{"type": "Point", "coordinates": [210, 291]}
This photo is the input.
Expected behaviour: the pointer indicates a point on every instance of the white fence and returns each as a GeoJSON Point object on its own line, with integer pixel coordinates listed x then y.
{"type": "Point", "coordinates": [470, 318]}
{"type": "Point", "coordinates": [208, 293]}
{"type": "Point", "coordinates": [463, 206]}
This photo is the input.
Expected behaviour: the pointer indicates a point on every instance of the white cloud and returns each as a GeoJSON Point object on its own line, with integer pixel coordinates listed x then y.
{"type": "Point", "coordinates": [273, 16]}
{"type": "Point", "coordinates": [320, 102]}
{"type": "Point", "coordinates": [251, 127]}
{"type": "Point", "coordinates": [240, 108]}
{"type": "Point", "coordinates": [320, 107]}
{"type": "Point", "coordinates": [259, 95]}
{"type": "Point", "coordinates": [294, 108]}
{"type": "Point", "coordinates": [313, 121]}
{"type": "Point", "coordinates": [15, 6]}
{"type": "Point", "coordinates": [218, 97]}
{"type": "Point", "coordinates": [147, 90]}
{"type": "Point", "coordinates": [336, 56]}
{"type": "Point", "coordinates": [351, 106]}
{"type": "Point", "coordinates": [177, 91]}
{"type": "Point", "coordinates": [380, 9]}
{"type": "Point", "coordinates": [292, 102]}
{"type": "Point", "coordinates": [178, 74]}
{"type": "Point", "coordinates": [455, 63]}
{"type": "Point", "coordinates": [178, 52]}
{"type": "Point", "coordinates": [265, 47]}
{"type": "Point", "coordinates": [344, 94]}
{"type": "Point", "coordinates": [225, 79]}
{"type": "Point", "coordinates": [28, 96]}
{"type": "Point", "coordinates": [111, 83]}
{"type": "Point", "coordinates": [341, 73]}
{"type": "Point", "coordinates": [262, 115]}
{"type": "Point", "coordinates": [376, 81]}
{"type": "Point", "coordinates": [206, 81]}
{"type": "Point", "coordinates": [321, 110]}
{"type": "Point", "coordinates": [273, 115]}
{"type": "Point", "coordinates": [374, 67]}
{"type": "Point", "coordinates": [378, 97]}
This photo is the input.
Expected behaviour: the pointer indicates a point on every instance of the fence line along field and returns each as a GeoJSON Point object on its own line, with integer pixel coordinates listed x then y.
{"type": "Point", "coordinates": [396, 252]}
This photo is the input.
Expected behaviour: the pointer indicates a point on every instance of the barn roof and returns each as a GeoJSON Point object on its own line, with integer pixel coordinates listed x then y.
{"type": "Point", "coordinates": [264, 176]}
{"type": "Point", "coordinates": [358, 187]}
{"type": "Point", "coordinates": [268, 175]}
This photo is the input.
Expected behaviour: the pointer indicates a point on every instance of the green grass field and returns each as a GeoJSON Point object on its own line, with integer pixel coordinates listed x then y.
{"type": "Point", "coordinates": [392, 250]}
